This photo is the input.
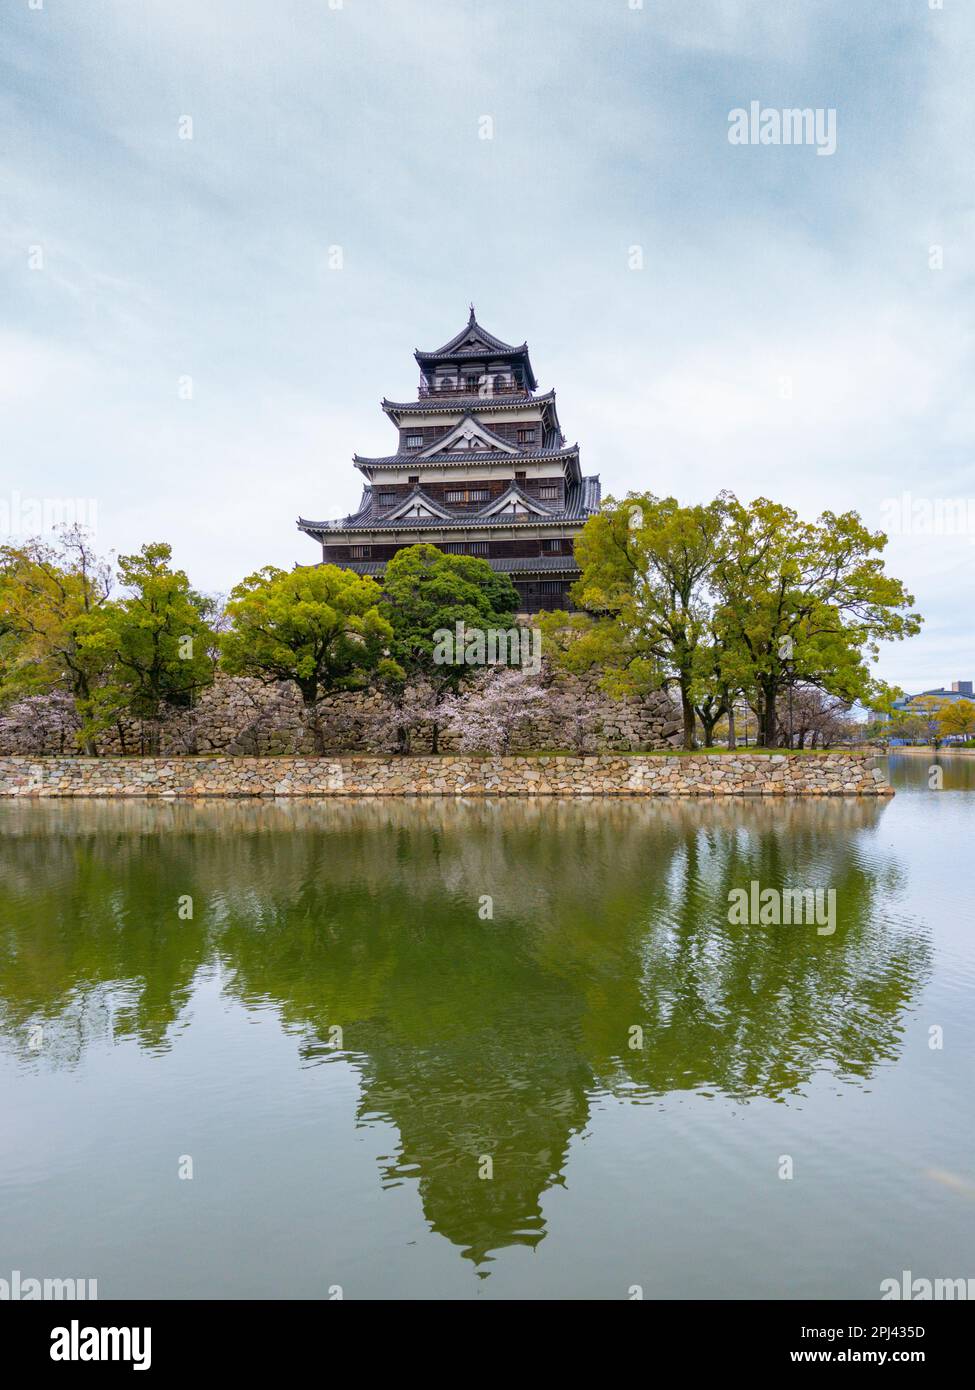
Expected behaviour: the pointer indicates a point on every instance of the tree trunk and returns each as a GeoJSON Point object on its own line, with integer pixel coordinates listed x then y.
{"type": "Point", "coordinates": [435, 727]}
{"type": "Point", "coordinates": [758, 710]}
{"type": "Point", "coordinates": [314, 722]}
{"type": "Point", "coordinates": [707, 725]}
{"type": "Point", "coordinates": [687, 710]}
{"type": "Point", "coordinates": [770, 729]}
{"type": "Point", "coordinates": [83, 704]}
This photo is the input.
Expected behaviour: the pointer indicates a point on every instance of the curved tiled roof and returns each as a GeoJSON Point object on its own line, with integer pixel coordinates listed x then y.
{"type": "Point", "coordinates": [454, 349]}
{"type": "Point", "coordinates": [471, 326]}
{"type": "Point", "coordinates": [415, 494]}
{"type": "Point", "coordinates": [581, 500]}
{"type": "Point", "coordinates": [463, 404]}
{"type": "Point", "coordinates": [459, 460]}
{"type": "Point", "coordinates": [582, 494]}
{"type": "Point", "coordinates": [534, 504]}
{"type": "Point", "coordinates": [435, 448]}
{"type": "Point", "coordinates": [476, 351]}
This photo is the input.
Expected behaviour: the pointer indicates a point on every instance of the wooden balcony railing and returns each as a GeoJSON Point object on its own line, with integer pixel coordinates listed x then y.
{"type": "Point", "coordinates": [476, 386]}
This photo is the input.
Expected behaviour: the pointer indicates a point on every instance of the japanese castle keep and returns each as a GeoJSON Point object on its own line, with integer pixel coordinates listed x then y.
{"type": "Point", "coordinates": [481, 467]}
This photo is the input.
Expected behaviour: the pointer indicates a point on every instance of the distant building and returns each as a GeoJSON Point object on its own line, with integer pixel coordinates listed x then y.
{"type": "Point", "coordinates": [481, 467]}
{"type": "Point", "coordinates": [960, 690]}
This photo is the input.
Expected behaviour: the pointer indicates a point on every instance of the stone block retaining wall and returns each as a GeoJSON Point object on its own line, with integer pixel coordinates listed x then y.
{"type": "Point", "coordinates": [240, 716]}
{"type": "Point", "coordinates": [605, 774]}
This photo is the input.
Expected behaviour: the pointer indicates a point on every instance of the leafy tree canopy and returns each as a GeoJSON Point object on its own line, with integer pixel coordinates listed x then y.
{"type": "Point", "coordinates": [50, 595]}
{"type": "Point", "coordinates": [730, 598]}
{"type": "Point", "coordinates": [645, 563]}
{"type": "Point", "coordinates": [427, 590]}
{"type": "Point", "coordinates": [808, 601]}
{"type": "Point", "coordinates": [316, 625]}
{"type": "Point", "coordinates": [957, 717]}
{"type": "Point", "coordinates": [156, 639]}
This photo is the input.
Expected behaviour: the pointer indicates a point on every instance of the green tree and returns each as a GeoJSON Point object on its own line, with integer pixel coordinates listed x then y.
{"type": "Point", "coordinates": [957, 717]}
{"type": "Point", "coordinates": [427, 591]}
{"type": "Point", "coordinates": [907, 725]}
{"type": "Point", "coordinates": [12, 637]}
{"type": "Point", "coordinates": [883, 715]}
{"type": "Point", "coordinates": [716, 687]}
{"type": "Point", "coordinates": [52, 596]}
{"type": "Point", "coordinates": [804, 601]}
{"type": "Point", "coordinates": [925, 715]}
{"type": "Point", "coordinates": [647, 622]}
{"type": "Point", "coordinates": [156, 640]}
{"type": "Point", "coordinates": [319, 626]}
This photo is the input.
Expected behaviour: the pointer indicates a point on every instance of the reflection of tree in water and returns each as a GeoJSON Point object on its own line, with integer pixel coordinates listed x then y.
{"type": "Point", "coordinates": [758, 1010]}
{"type": "Point", "coordinates": [90, 943]}
{"type": "Point", "coordinates": [472, 1036]}
{"type": "Point", "coordinates": [915, 771]}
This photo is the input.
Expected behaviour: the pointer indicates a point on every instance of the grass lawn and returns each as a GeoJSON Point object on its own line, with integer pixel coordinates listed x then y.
{"type": "Point", "coordinates": [679, 753]}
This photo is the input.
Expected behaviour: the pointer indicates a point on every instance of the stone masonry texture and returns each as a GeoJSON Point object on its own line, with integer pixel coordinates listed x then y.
{"type": "Point", "coordinates": [602, 774]}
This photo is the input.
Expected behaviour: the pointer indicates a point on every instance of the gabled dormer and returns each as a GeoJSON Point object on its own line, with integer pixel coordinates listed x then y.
{"type": "Point", "coordinates": [470, 436]}
{"type": "Point", "coordinates": [418, 506]}
{"type": "Point", "coordinates": [515, 502]}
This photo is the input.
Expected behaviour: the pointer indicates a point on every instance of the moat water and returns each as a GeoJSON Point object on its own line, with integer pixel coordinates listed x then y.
{"type": "Point", "coordinates": [488, 1049]}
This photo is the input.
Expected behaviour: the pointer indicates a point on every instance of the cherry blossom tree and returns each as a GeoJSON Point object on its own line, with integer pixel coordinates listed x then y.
{"type": "Point", "coordinates": [497, 703]}
{"type": "Point", "coordinates": [41, 724]}
{"type": "Point", "coordinates": [414, 707]}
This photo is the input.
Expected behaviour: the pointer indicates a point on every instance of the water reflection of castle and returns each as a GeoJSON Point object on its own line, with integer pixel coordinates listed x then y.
{"type": "Point", "coordinates": [472, 1037]}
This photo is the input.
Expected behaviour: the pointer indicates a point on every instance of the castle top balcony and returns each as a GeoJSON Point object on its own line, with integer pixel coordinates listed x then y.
{"type": "Point", "coordinates": [482, 384]}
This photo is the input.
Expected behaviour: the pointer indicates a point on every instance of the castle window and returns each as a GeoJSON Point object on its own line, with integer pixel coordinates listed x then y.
{"type": "Point", "coordinates": [387, 499]}
{"type": "Point", "coordinates": [360, 552]}
{"type": "Point", "coordinates": [553, 547]}
{"type": "Point", "coordinates": [466, 547]}
{"type": "Point", "coordinates": [526, 436]}
{"type": "Point", "coordinates": [473, 494]}
{"type": "Point", "coordinates": [413, 478]}
{"type": "Point", "coordinates": [414, 441]}
{"type": "Point", "coordinates": [549, 492]}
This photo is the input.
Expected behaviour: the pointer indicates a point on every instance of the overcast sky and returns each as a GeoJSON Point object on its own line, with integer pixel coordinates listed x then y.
{"type": "Point", "coordinates": [175, 345]}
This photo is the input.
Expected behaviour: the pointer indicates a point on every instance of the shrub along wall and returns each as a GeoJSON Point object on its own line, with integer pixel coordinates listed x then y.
{"type": "Point", "coordinates": [797, 774]}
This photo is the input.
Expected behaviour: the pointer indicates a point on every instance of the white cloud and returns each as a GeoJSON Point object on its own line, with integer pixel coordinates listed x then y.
{"type": "Point", "coordinates": [358, 127]}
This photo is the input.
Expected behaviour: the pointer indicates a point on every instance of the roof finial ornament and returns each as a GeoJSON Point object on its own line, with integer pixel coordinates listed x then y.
{"type": "Point", "coordinates": [471, 319]}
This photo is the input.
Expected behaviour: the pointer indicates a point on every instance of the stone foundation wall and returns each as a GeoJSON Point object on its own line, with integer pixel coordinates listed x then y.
{"type": "Point", "coordinates": [826, 774]}
{"type": "Point", "coordinates": [241, 716]}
